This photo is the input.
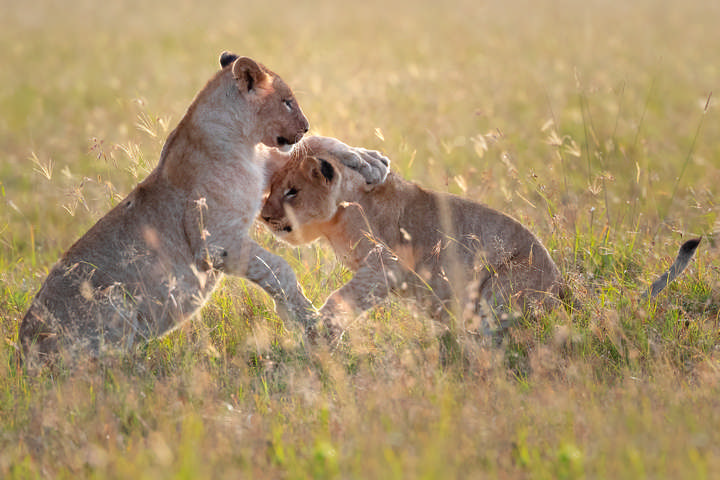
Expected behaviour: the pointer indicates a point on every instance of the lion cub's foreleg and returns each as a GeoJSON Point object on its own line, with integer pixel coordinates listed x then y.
{"type": "Point", "coordinates": [274, 275]}
{"type": "Point", "coordinates": [270, 272]}
{"type": "Point", "coordinates": [378, 275]}
{"type": "Point", "coordinates": [217, 235]}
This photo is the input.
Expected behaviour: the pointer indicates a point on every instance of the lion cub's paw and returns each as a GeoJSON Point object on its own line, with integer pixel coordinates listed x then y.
{"type": "Point", "coordinates": [325, 331]}
{"type": "Point", "coordinates": [371, 164]}
{"type": "Point", "coordinates": [379, 166]}
{"type": "Point", "coordinates": [211, 257]}
{"type": "Point", "coordinates": [302, 312]}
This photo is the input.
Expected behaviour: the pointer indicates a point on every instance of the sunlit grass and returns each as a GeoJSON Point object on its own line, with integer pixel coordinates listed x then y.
{"type": "Point", "coordinates": [588, 121]}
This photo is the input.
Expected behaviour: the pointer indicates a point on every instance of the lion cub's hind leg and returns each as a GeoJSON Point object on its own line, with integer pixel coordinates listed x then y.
{"type": "Point", "coordinates": [488, 310]}
{"type": "Point", "coordinates": [503, 295]}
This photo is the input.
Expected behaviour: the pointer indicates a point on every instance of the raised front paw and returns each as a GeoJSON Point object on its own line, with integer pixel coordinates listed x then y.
{"type": "Point", "coordinates": [374, 166]}
{"type": "Point", "coordinates": [212, 257]}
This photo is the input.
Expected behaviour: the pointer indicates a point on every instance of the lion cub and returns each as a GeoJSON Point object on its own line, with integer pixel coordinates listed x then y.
{"type": "Point", "coordinates": [152, 261]}
{"type": "Point", "coordinates": [399, 237]}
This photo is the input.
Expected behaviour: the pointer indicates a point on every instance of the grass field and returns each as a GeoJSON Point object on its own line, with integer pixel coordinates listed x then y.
{"type": "Point", "coordinates": [592, 122]}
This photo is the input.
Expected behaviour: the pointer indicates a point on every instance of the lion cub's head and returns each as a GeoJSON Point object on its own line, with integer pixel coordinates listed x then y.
{"type": "Point", "coordinates": [281, 123]}
{"type": "Point", "coordinates": [304, 195]}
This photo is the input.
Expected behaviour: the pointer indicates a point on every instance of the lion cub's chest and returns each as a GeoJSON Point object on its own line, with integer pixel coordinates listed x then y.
{"type": "Point", "coordinates": [233, 192]}
{"type": "Point", "coordinates": [245, 191]}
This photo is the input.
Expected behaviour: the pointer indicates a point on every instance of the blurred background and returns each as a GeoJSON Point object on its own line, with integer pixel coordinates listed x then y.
{"type": "Point", "coordinates": [593, 122]}
{"type": "Point", "coordinates": [591, 104]}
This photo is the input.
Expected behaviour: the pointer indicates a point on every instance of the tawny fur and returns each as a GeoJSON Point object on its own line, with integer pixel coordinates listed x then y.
{"type": "Point", "coordinates": [451, 254]}
{"type": "Point", "coordinates": [153, 260]}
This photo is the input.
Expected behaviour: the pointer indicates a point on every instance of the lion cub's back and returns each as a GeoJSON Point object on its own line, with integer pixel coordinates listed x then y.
{"type": "Point", "coordinates": [448, 228]}
{"type": "Point", "coordinates": [99, 286]}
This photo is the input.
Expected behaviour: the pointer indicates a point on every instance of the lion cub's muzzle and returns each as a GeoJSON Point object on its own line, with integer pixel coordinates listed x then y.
{"type": "Point", "coordinates": [277, 226]}
{"type": "Point", "coordinates": [288, 140]}
{"type": "Point", "coordinates": [282, 141]}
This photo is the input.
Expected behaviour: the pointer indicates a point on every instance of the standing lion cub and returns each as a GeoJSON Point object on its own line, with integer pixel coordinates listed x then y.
{"type": "Point", "coordinates": [152, 261]}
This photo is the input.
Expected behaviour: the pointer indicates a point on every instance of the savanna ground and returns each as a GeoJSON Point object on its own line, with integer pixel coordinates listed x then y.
{"type": "Point", "coordinates": [589, 121]}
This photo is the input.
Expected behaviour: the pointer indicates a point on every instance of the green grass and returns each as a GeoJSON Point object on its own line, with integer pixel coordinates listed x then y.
{"type": "Point", "coordinates": [589, 121]}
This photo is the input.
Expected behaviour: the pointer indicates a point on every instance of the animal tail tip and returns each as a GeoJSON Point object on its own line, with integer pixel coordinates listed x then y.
{"type": "Point", "coordinates": [689, 247]}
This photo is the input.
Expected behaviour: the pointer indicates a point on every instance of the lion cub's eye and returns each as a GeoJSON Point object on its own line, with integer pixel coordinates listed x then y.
{"type": "Point", "coordinates": [290, 193]}
{"type": "Point", "coordinates": [288, 105]}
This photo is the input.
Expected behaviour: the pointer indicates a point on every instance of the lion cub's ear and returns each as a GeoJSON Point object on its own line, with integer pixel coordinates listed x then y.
{"type": "Point", "coordinates": [327, 170]}
{"type": "Point", "coordinates": [319, 169]}
{"type": "Point", "coordinates": [226, 58]}
{"type": "Point", "coordinates": [248, 74]}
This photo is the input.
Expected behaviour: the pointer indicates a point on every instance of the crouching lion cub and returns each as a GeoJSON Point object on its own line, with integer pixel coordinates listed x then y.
{"type": "Point", "coordinates": [399, 237]}
{"type": "Point", "coordinates": [152, 261]}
